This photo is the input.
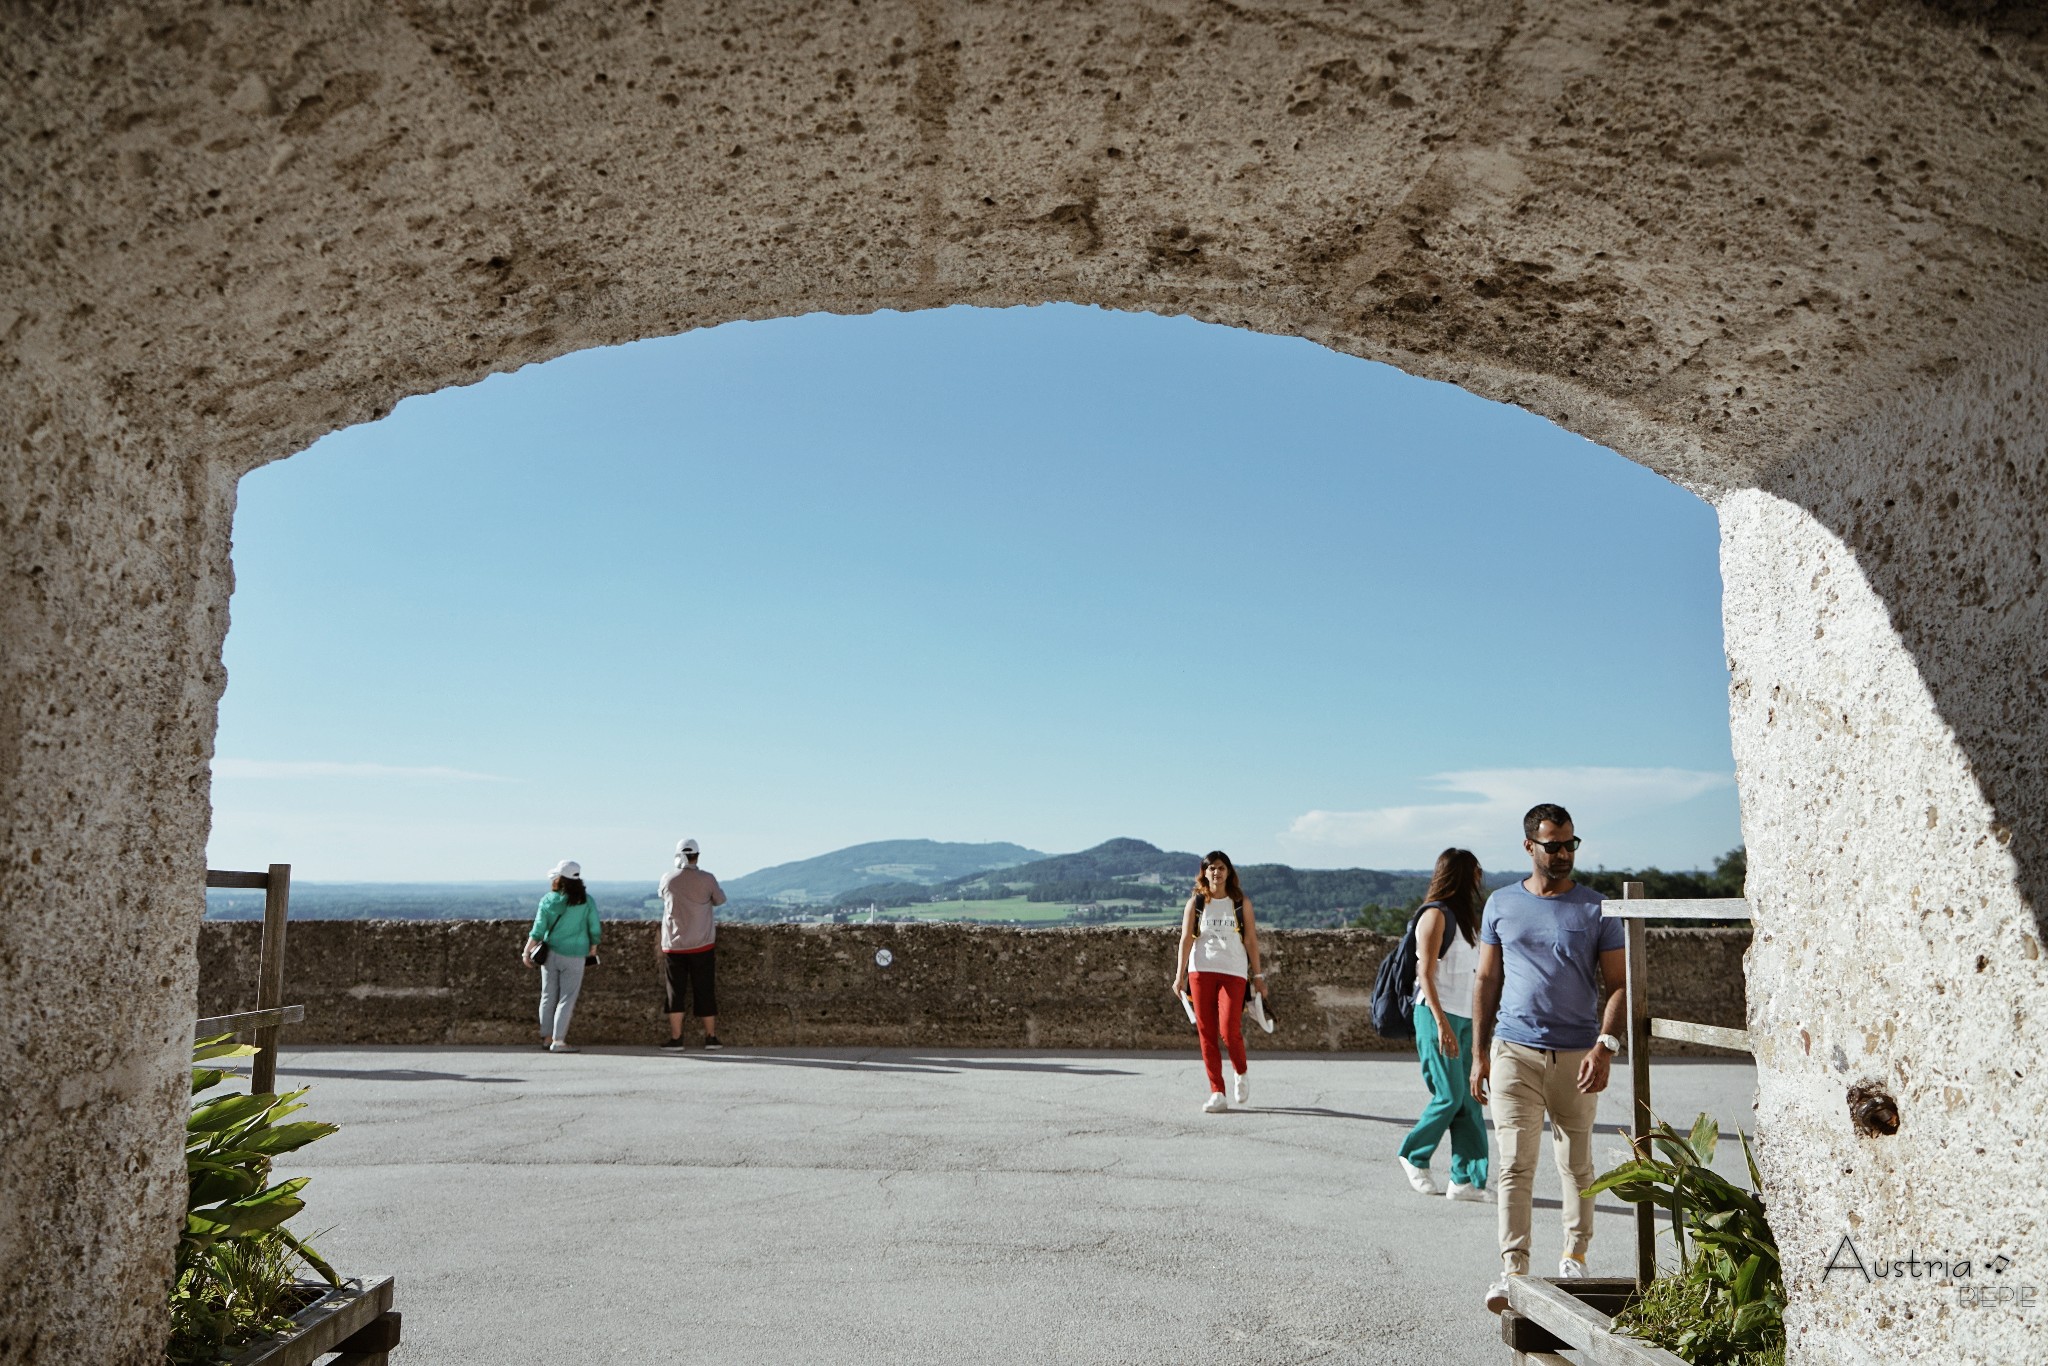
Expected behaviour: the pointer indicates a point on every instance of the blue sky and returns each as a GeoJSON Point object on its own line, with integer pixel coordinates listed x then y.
{"type": "Point", "coordinates": [1048, 575]}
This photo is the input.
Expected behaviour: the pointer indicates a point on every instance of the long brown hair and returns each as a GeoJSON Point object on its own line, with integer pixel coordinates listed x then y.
{"type": "Point", "coordinates": [572, 890]}
{"type": "Point", "coordinates": [1455, 886]}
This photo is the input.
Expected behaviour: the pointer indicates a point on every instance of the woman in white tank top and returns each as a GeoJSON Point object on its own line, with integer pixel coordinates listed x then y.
{"type": "Point", "coordinates": [1218, 958]}
{"type": "Point", "coordinates": [1446, 958]}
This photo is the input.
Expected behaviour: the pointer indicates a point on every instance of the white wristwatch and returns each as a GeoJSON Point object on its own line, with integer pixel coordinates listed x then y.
{"type": "Point", "coordinates": [1610, 1043]}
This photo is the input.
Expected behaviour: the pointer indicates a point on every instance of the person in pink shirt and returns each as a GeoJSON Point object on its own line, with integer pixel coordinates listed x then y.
{"type": "Point", "coordinates": [688, 946]}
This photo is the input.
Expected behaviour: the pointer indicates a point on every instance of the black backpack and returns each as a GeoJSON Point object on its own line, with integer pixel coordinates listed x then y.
{"type": "Point", "coordinates": [1393, 987]}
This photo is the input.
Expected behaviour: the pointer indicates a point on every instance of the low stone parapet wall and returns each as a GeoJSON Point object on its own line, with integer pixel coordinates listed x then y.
{"type": "Point", "coordinates": [945, 986]}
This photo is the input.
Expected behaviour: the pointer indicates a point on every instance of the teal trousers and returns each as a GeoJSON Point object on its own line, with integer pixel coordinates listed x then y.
{"type": "Point", "coordinates": [1451, 1107]}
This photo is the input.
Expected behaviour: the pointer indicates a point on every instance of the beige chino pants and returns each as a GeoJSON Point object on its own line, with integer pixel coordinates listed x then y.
{"type": "Point", "coordinates": [1525, 1085]}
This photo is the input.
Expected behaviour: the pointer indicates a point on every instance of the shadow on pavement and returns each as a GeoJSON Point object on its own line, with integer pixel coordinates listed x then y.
{"type": "Point", "coordinates": [935, 1066]}
{"type": "Point", "coordinates": [1549, 1202]}
{"type": "Point", "coordinates": [382, 1074]}
{"type": "Point", "coordinates": [1407, 1123]}
{"type": "Point", "coordinates": [980, 1065]}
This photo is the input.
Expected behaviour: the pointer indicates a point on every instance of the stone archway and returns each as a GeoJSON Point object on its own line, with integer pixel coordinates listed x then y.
{"type": "Point", "coordinates": [1792, 259]}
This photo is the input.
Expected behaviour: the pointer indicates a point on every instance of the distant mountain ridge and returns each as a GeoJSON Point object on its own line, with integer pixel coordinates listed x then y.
{"type": "Point", "coordinates": [921, 863]}
{"type": "Point", "coordinates": [1117, 858]}
{"type": "Point", "coordinates": [1133, 871]}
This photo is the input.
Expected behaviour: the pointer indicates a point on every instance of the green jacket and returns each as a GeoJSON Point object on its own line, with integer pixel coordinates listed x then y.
{"type": "Point", "coordinates": [566, 929]}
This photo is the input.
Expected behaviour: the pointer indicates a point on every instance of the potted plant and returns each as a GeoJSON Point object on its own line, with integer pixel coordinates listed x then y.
{"type": "Point", "coordinates": [239, 1292]}
{"type": "Point", "coordinates": [1724, 1306]}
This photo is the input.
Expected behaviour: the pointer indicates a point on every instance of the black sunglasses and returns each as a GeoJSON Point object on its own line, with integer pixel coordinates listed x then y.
{"type": "Point", "coordinates": [1552, 846]}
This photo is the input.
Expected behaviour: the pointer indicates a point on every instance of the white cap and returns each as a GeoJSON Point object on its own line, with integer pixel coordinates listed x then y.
{"type": "Point", "coordinates": [688, 847]}
{"type": "Point", "coordinates": [568, 867]}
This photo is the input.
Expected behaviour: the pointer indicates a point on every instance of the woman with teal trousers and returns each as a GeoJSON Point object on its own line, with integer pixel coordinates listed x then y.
{"type": "Point", "coordinates": [1443, 1030]}
{"type": "Point", "coordinates": [563, 939]}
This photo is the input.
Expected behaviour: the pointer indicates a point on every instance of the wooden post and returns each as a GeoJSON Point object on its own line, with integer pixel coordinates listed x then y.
{"type": "Point", "coordinates": [270, 975]}
{"type": "Point", "coordinates": [1637, 945]}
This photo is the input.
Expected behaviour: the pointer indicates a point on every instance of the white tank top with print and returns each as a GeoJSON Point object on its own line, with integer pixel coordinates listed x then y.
{"type": "Point", "coordinates": [1218, 947]}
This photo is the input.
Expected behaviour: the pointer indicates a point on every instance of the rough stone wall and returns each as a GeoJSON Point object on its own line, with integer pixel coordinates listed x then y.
{"type": "Point", "coordinates": [1780, 253]}
{"type": "Point", "coordinates": [948, 986]}
{"type": "Point", "coordinates": [1890, 676]}
{"type": "Point", "coordinates": [114, 600]}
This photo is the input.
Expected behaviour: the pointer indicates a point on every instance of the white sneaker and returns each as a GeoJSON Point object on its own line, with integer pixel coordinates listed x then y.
{"type": "Point", "coordinates": [1216, 1104]}
{"type": "Point", "coordinates": [1497, 1296]}
{"type": "Point", "coordinates": [1478, 1195]}
{"type": "Point", "coordinates": [1418, 1177]}
{"type": "Point", "coordinates": [559, 1047]}
{"type": "Point", "coordinates": [1241, 1090]}
{"type": "Point", "coordinates": [1571, 1269]}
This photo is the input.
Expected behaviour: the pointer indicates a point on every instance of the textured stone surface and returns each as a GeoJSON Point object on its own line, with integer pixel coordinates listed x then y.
{"type": "Point", "coordinates": [1889, 633]}
{"type": "Point", "coordinates": [947, 986]}
{"type": "Point", "coordinates": [1791, 256]}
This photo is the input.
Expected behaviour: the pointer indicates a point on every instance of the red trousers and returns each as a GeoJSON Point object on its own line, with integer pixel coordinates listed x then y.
{"type": "Point", "coordinates": [1219, 1017]}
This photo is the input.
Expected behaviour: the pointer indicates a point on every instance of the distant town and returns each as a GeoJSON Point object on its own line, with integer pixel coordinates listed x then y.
{"type": "Point", "coordinates": [1119, 882]}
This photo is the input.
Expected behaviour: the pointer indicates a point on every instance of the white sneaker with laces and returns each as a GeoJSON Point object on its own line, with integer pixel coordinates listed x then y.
{"type": "Point", "coordinates": [1571, 1268]}
{"type": "Point", "coordinates": [1241, 1090]}
{"type": "Point", "coordinates": [1497, 1296]}
{"type": "Point", "coordinates": [1216, 1104]}
{"type": "Point", "coordinates": [1478, 1195]}
{"type": "Point", "coordinates": [559, 1047]}
{"type": "Point", "coordinates": [1418, 1177]}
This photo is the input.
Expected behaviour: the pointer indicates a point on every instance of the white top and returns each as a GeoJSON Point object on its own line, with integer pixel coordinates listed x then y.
{"type": "Point", "coordinates": [1455, 971]}
{"type": "Point", "coordinates": [1218, 947]}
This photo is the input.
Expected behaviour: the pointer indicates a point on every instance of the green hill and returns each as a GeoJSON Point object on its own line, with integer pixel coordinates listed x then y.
{"type": "Point", "coordinates": [829, 877]}
{"type": "Point", "coordinates": [1114, 860]}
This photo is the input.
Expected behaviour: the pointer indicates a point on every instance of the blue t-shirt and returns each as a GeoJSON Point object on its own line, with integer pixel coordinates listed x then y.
{"type": "Point", "coordinates": [1550, 950]}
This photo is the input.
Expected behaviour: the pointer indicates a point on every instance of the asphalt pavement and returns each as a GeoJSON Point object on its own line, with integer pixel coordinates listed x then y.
{"type": "Point", "coordinates": [628, 1206]}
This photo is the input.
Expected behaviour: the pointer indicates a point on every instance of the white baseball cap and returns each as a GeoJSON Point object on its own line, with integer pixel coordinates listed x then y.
{"type": "Point", "coordinates": [688, 847]}
{"type": "Point", "coordinates": [568, 867]}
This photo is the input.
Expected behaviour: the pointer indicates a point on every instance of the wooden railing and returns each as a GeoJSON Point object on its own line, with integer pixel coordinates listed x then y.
{"type": "Point", "coordinates": [1635, 910]}
{"type": "Point", "coordinates": [271, 1011]}
{"type": "Point", "coordinates": [1547, 1318]}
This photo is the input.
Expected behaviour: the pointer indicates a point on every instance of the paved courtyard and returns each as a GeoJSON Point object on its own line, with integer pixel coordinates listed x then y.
{"type": "Point", "coordinates": [773, 1206]}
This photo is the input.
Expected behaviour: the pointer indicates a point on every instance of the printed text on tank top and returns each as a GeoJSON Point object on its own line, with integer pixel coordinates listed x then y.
{"type": "Point", "coordinates": [1218, 946]}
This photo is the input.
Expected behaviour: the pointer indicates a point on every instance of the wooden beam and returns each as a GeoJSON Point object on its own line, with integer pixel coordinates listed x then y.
{"type": "Point", "coordinates": [342, 1314]}
{"type": "Point", "coordinates": [277, 893]}
{"type": "Point", "coordinates": [1525, 1335]}
{"type": "Point", "coordinates": [1636, 943]}
{"type": "Point", "coordinates": [1684, 1031]}
{"type": "Point", "coordinates": [1588, 1330]}
{"type": "Point", "coordinates": [217, 878]}
{"type": "Point", "coordinates": [214, 1025]}
{"type": "Point", "coordinates": [1692, 908]}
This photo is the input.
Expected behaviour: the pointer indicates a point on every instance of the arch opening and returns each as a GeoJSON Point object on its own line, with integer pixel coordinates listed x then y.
{"type": "Point", "coordinates": [975, 546]}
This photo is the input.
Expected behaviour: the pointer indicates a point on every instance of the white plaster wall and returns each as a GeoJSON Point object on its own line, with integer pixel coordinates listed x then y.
{"type": "Point", "coordinates": [1897, 941]}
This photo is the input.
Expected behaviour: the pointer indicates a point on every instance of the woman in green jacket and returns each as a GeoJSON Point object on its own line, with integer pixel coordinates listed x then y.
{"type": "Point", "coordinates": [565, 933]}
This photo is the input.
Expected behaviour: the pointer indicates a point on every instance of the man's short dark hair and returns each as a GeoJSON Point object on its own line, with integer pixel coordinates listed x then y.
{"type": "Point", "coordinates": [1541, 812]}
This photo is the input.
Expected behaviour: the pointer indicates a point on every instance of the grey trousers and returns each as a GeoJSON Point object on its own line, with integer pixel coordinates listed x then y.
{"type": "Point", "coordinates": [561, 978]}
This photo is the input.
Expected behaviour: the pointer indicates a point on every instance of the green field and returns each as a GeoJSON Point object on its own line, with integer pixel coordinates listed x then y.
{"type": "Point", "coordinates": [1014, 908]}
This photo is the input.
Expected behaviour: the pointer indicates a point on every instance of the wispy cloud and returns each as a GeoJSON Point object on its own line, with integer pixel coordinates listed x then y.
{"type": "Point", "coordinates": [325, 768]}
{"type": "Point", "coordinates": [1485, 812]}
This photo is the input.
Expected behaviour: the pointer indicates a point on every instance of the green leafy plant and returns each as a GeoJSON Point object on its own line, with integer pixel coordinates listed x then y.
{"type": "Point", "coordinates": [1726, 1305]}
{"type": "Point", "coordinates": [237, 1265]}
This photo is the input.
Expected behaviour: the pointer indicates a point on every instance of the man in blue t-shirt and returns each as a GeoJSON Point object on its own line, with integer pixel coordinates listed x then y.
{"type": "Point", "coordinates": [1542, 1037]}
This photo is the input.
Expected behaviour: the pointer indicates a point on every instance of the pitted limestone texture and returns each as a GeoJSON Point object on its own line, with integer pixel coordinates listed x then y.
{"type": "Point", "coordinates": [1791, 256]}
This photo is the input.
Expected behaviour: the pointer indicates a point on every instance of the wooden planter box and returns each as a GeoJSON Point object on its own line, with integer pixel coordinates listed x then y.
{"type": "Point", "coordinates": [354, 1318]}
{"type": "Point", "coordinates": [1571, 1323]}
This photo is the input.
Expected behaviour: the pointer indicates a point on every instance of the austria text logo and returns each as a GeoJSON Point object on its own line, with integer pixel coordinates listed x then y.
{"type": "Point", "coordinates": [1967, 1273]}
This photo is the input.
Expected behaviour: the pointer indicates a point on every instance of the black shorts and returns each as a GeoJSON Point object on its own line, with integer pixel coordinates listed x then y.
{"type": "Point", "coordinates": [694, 973]}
